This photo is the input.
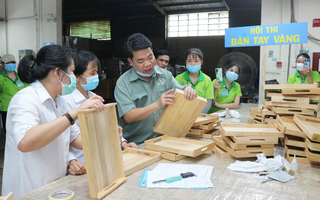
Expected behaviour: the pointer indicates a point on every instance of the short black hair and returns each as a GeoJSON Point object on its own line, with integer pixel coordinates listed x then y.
{"type": "Point", "coordinates": [194, 52]}
{"type": "Point", "coordinates": [37, 67]}
{"type": "Point", "coordinates": [303, 55]}
{"type": "Point", "coordinates": [135, 42]}
{"type": "Point", "coordinates": [84, 58]}
{"type": "Point", "coordinates": [161, 52]}
{"type": "Point", "coordinates": [231, 65]}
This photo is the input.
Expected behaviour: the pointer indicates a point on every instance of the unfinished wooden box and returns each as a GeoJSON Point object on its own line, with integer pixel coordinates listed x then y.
{"type": "Point", "coordinates": [177, 119]}
{"type": "Point", "coordinates": [309, 125]}
{"type": "Point", "coordinates": [181, 146]}
{"type": "Point", "coordinates": [102, 151]}
{"type": "Point", "coordinates": [137, 159]}
{"type": "Point", "coordinates": [260, 130]}
{"type": "Point", "coordinates": [218, 140]}
{"type": "Point", "coordinates": [289, 127]}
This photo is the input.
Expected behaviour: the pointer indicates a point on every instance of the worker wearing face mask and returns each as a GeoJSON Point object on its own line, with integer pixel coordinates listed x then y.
{"type": "Point", "coordinates": [227, 93]}
{"type": "Point", "coordinates": [304, 75]}
{"type": "Point", "coordinates": [10, 84]}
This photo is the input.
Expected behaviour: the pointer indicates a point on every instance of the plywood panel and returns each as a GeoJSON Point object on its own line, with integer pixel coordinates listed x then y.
{"type": "Point", "coordinates": [309, 125]}
{"type": "Point", "coordinates": [177, 119]}
{"type": "Point", "coordinates": [101, 148]}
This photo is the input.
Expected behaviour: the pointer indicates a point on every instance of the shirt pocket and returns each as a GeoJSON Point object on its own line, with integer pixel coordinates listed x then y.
{"type": "Point", "coordinates": [140, 99]}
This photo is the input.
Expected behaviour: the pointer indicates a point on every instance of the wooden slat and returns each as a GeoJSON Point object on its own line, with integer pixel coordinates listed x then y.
{"type": "Point", "coordinates": [236, 146]}
{"type": "Point", "coordinates": [309, 125]}
{"type": "Point", "coordinates": [137, 159]}
{"type": "Point", "coordinates": [258, 130]}
{"type": "Point", "coordinates": [312, 97]}
{"type": "Point", "coordinates": [254, 140]}
{"type": "Point", "coordinates": [288, 86]}
{"type": "Point", "coordinates": [292, 111]}
{"type": "Point", "coordinates": [177, 119]}
{"type": "Point", "coordinates": [299, 91]}
{"type": "Point", "coordinates": [293, 100]}
{"type": "Point", "coordinates": [181, 146]}
{"type": "Point", "coordinates": [102, 152]}
{"type": "Point", "coordinates": [268, 102]}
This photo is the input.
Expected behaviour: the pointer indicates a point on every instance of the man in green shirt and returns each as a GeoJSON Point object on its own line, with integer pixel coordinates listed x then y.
{"type": "Point", "coordinates": [10, 84]}
{"type": "Point", "coordinates": [143, 91]}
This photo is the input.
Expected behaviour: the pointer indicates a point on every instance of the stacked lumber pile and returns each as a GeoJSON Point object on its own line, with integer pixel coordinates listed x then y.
{"type": "Point", "coordinates": [247, 140]}
{"type": "Point", "coordinates": [301, 99]}
{"type": "Point", "coordinates": [262, 115]}
{"type": "Point", "coordinates": [302, 137]}
{"type": "Point", "coordinates": [205, 126]}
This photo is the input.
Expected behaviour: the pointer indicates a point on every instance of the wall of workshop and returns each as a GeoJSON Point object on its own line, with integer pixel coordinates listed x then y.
{"type": "Point", "coordinates": [278, 12]}
{"type": "Point", "coordinates": [213, 46]}
{"type": "Point", "coordinates": [2, 29]}
{"type": "Point", "coordinates": [27, 26]}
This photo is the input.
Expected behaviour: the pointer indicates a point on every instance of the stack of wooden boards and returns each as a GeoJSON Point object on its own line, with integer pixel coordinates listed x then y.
{"type": "Point", "coordinates": [205, 126]}
{"type": "Point", "coordinates": [284, 99]}
{"type": "Point", "coordinates": [247, 140]}
{"type": "Point", "coordinates": [302, 136]}
{"type": "Point", "coordinates": [175, 122]}
{"type": "Point", "coordinates": [262, 115]}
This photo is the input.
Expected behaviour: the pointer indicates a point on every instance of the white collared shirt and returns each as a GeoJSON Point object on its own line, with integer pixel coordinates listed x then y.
{"type": "Point", "coordinates": [73, 101]}
{"type": "Point", "coordinates": [24, 172]}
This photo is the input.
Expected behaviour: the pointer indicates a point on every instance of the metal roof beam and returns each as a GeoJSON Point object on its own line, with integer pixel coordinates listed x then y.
{"type": "Point", "coordinates": [191, 3]}
{"type": "Point", "coordinates": [157, 6]}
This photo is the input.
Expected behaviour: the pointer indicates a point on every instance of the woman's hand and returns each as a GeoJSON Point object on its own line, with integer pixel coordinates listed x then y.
{"type": "Point", "coordinates": [216, 84]}
{"type": "Point", "coordinates": [126, 145]}
{"type": "Point", "coordinates": [307, 72]}
{"type": "Point", "coordinates": [76, 167]}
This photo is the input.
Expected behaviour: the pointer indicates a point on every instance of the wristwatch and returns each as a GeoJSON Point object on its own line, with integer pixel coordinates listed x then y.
{"type": "Point", "coordinates": [69, 117]}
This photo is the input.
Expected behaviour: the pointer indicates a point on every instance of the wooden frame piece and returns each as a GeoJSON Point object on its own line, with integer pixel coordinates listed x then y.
{"type": "Point", "coordinates": [256, 113]}
{"type": "Point", "coordinates": [285, 86]}
{"type": "Point", "coordinates": [299, 91]}
{"type": "Point", "coordinates": [295, 150]}
{"type": "Point", "coordinates": [194, 132]}
{"type": "Point", "coordinates": [181, 146]}
{"type": "Point", "coordinates": [309, 125]}
{"type": "Point", "coordinates": [312, 97]}
{"type": "Point", "coordinates": [137, 159]}
{"type": "Point", "coordinates": [255, 121]}
{"type": "Point", "coordinates": [210, 126]}
{"type": "Point", "coordinates": [257, 130]}
{"type": "Point", "coordinates": [313, 156]}
{"type": "Point", "coordinates": [291, 100]}
{"type": "Point", "coordinates": [289, 127]}
{"type": "Point", "coordinates": [254, 140]}
{"type": "Point", "coordinates": [220, 152]}
{"type": "Point", "coordinates": [211, 133]}
{"type": "Point", "coordinates": [8, 197]}
{"type": "Point", "coordinates": [177, 119]}
{"type": "Point", "coordinates": [236, 146]}
{"type": "Point", "coordinates": [292, 111]}
{"type": "Point", "coordinates": [295, 141]}
{"type": "Point", "coordinates": [218, 140]}
{"type": "Point", "coordinates": [205, 119]}
{"type": "Point", "coordinates": [102, 151]}
{"type": "Point", "coordinates": [169, 156]}
{"type": "Point", "coordinates": [304, 160]}
{"type": "Point", "coordinates": [269, 102]}
{"type": "Point", "coordinates": [314, 146]}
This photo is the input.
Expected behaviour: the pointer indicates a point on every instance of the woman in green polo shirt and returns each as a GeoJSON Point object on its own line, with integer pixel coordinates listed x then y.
{"type": "Point", "coordinates": [195, 78]}
{"type": "Point", "coordinates": [228, 92]}
{"type": "Point", "coordinates": [10, 84]}
{"type": "Point", "coordinates": [304, 75]}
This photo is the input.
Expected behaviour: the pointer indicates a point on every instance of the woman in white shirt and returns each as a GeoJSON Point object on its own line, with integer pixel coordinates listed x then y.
{"type": "Point", "coordinates": [38, 125]}
{"type": "Point", "coordinates": [86, 72]}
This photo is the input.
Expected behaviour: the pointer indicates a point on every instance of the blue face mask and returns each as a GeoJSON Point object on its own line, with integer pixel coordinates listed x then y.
{"type": "Point", "coordinates": [68, 89]}
{"type": "Point", "coordinates": [92, 83]}
{"type": "Point", "coordinates": [193, 68]}
{"type": "Point", "coordinates": [10, 67]}
{"type": "Point", "coordinates": [231, 76]}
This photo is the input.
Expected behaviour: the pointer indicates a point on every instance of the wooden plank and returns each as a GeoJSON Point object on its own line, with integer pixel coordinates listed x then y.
{"type": "Point", "coordinates": [299, 91]}
{"type": "Point", "coordinates": [313, 156]}
{"type": "Point", "coordinates": [295, 141]}
{"type": "Point", "coordinates": [292, 111]}
{"type": "Point", "coordinates": [309, 125]}
{"type": "Point", "coordinates": [137, 159]}
{"type": "Point", "coordinates": [218, 140]}
{"type": "Point", "coordinates": [254, 140]}
{"type": "Point", "coordinates": [289, 127]}
{"type": "Point", "coordinates": [177, 119]}
{"type": "Point", "coordinates": [168, 155]}
{"type": "Point", "coordinates": [288, 86]}
{"type": "Point", "coordinates": [182, 146]}
{"type": "Point", "coordinates": [205, 119]}
{"type": "Point", "coordinates": [102, 152]}
{"type": "Point", "coordinates": [314, 146]}
{"type": "Point", "coordinates": [8, 197]}
{"type": "Point", "coordinates": [258, 130]}
{"type": "Point", "coordinates": [312, 97]}
{"type": "Point", "coordinates": [236, 146]}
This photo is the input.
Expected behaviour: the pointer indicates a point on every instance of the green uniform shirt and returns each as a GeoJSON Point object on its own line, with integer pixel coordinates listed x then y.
{"type": "Point", "coordinates": [297, 79]}
{"type": "Point", "coordinates": [233, 92]}
{"type": "Point", "coordinates": [203, 85]}
{"type": "Point", "coordinates": [8, 88]}
{"type": "Point", "coordinates": [132, 91]}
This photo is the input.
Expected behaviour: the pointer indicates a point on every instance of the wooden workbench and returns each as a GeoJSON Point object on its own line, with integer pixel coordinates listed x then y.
{"type": "Point", "coordinates": [227, 184]}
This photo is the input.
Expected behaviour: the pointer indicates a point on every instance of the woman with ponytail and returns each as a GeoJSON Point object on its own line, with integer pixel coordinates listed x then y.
{"type": "Point", "coordinates": [40, 131]}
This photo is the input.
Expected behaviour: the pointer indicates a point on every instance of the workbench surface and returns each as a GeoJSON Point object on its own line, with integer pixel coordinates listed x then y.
{"type": "Point", "coordinates": [227, 184]}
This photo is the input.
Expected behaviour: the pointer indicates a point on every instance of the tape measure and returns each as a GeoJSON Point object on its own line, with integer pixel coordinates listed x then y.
{"type": "Point", "coordinates": [55, 193]}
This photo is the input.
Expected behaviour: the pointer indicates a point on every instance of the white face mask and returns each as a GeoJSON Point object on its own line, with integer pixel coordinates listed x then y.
{"type": "Point", "coordinates": [300, 66]}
